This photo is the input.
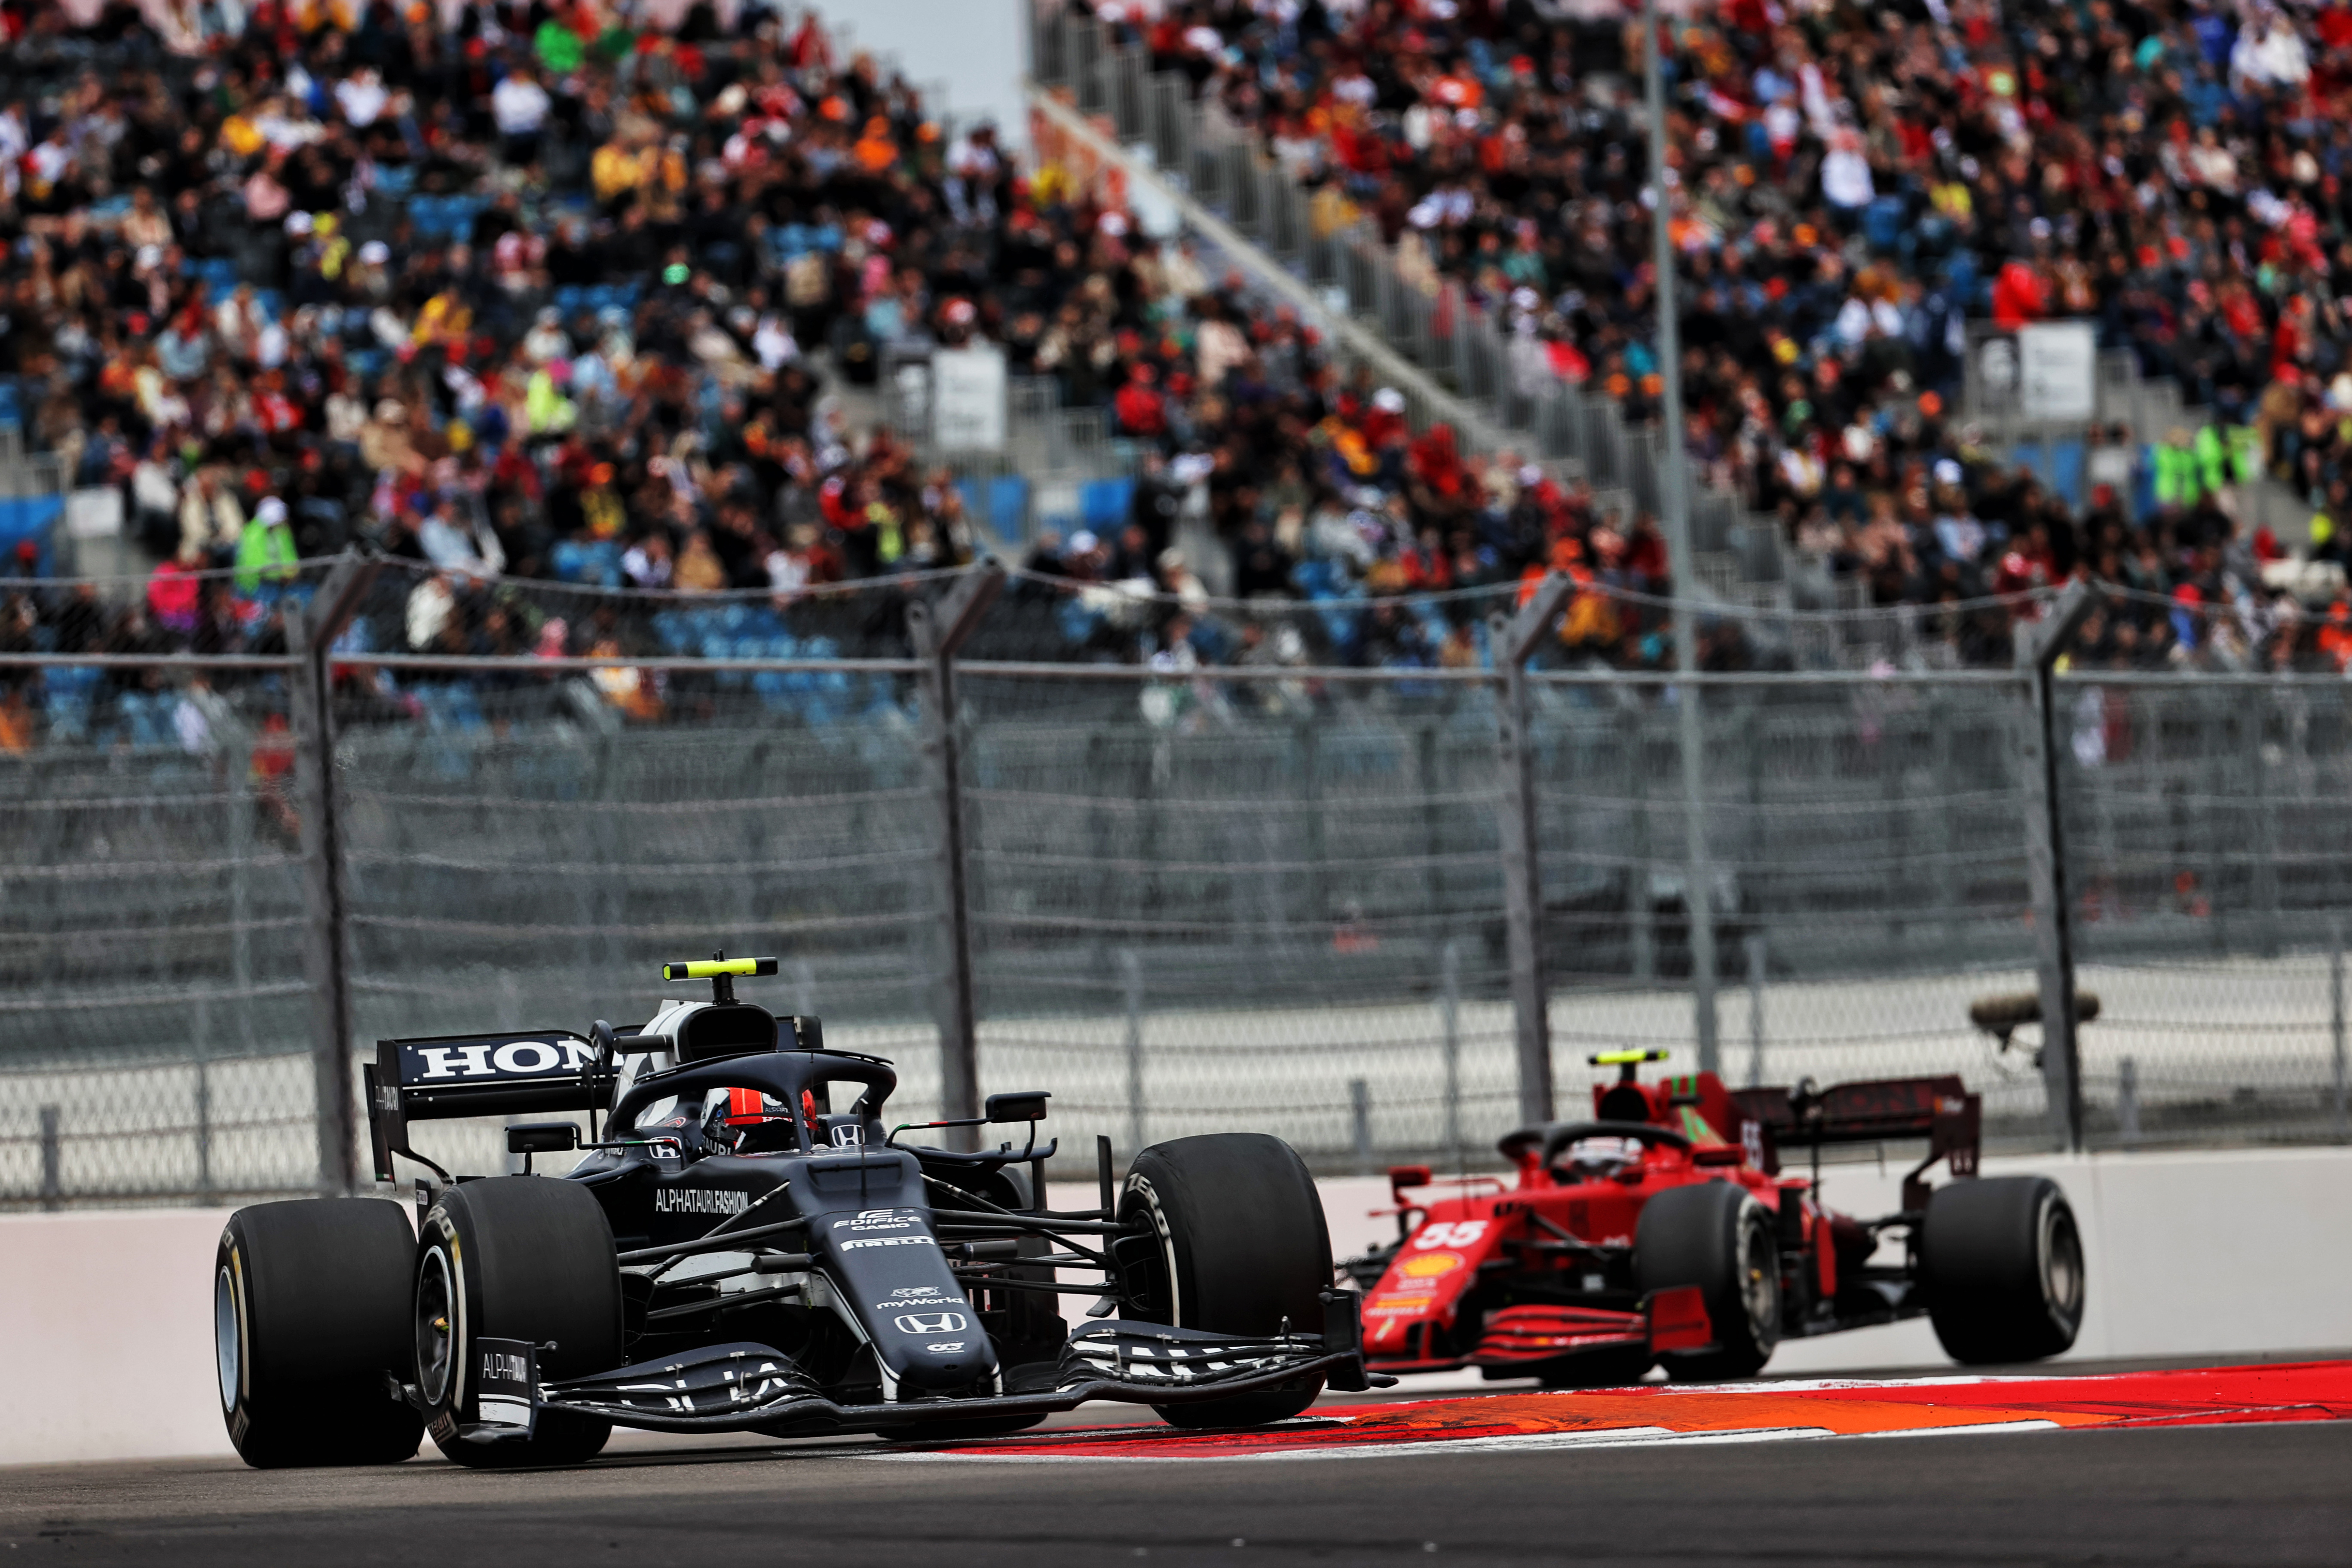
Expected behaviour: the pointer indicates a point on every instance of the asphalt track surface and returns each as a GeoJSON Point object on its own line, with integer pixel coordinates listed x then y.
{"type": "Point", "coordinates": [2223, 1494]}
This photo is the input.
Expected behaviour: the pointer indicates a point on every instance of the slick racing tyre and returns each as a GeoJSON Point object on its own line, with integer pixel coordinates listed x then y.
{"type": "Point", "coordinates": [515, 1258]}
{"type": "Point", "coordinates": [1235, 1242]}
{"type": "Point", "coordinates": [2001, 1261]}
{"type": "Point", "coordinates": [309, 1315]}
{"type": "Point", "coordinates": [1717, 1237]}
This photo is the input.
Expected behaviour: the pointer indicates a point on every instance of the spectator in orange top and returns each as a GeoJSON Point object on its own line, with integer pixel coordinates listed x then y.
{"type": "Point", "coordinates": [876, 151]}
{"type": "Point", "coordinates": [2335, 636]}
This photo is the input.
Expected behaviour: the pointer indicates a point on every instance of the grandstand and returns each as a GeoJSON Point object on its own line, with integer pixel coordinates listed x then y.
{"type": "Point", "coordinates": [574, 302]}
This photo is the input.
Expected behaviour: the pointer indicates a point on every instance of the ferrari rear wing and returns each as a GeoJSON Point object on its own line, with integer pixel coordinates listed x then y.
{"type": "Point", "coordinates": [445, 1076]}
{"type": "Point", "coordinates": [1939, 1109]}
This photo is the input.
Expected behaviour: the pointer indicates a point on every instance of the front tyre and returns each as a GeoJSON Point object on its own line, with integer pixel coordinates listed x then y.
{"type": "Point", "coordinates": [515, 1258]}
{"type": "Point", "coordinates": [2001, 1261]}
{"type": "Point", "coordinates": [308, 1319]}
{"type": "Point", "coordinates": [1235, 1243]}
{"type": "Point", "coordinates": [1714, 1235]}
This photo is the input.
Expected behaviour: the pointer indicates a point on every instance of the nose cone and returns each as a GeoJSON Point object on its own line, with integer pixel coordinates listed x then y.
{"type": "Point", "coordinates": [943, 1348]}
{"type": "Point", "coordinates": [892, 1272]}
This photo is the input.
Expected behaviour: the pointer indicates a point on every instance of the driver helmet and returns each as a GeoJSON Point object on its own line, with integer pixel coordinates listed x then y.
{"type": "Point", "coordinates": [1603, 1155]}
{"type": "Point", "coordinates": [752, 1120]}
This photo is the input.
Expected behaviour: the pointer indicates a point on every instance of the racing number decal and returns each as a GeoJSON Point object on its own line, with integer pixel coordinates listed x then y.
{"type": "Point", "coordinates": [1461, 1233]}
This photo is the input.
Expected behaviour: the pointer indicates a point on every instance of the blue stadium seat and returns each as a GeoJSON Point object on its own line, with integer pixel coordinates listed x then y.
{"type": "Point", "coordinates": [1882, 223]}
{"type": "Point", "coordinates": [2143, 496]}
{"type": "Point", "coordinates": [2066, 471]}
{"type": "Point", "coordinates": [1104, 504]}
{"type": "Point", "coordinates": [67, 693]}
{"type": "Point", "coordinates": [147, 717]}
{"type": "Point", "coordinates": [597, 563]}
{"type": "Point", "coordinates": [33, 518]}
{"type": "Point", "coordinates": [450, 706]}
{"type": "Point", "coordinates": [444, 217]}
{"type": "Point", "coordinates": [1002, 504]}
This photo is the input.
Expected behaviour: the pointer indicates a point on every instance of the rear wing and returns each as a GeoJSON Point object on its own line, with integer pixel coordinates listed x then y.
{"type": "Point", "coordinates": [1939, 1109]}
{"type": "Point", "coordinates": [445, 1076]}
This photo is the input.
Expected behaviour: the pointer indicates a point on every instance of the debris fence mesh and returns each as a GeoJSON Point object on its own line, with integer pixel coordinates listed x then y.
{"type": "Point", "coordinates": [1198, 899]}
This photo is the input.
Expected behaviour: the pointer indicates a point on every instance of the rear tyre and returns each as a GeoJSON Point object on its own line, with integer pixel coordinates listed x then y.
{"type": "Point", "coordinates": [308, 1316]}
{"type": "Point", "coordinates": [2001, 1261]}
{"type": "Point", "coordinates": [1236, 1243]}
{"type": "Point", "coordinates": [516, 1258]}
{"type": "Point", "coordinates": [1717, 1237]}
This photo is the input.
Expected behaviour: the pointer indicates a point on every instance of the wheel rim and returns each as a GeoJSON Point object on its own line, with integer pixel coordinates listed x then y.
{"type": "Point", "coordinates": [436, 1326]}
{"type": "Point", "coordinates": [1759, 1284]}
{"type": "Point", "coordinates": [228, 1348]}
{"type": "Point", "coordinates": [2062, 1263]}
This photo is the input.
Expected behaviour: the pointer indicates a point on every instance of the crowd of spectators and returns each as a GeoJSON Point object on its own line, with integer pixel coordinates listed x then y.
{"type": "Point", "coordinates": [525, 292]}
{"type": "Point", "coordinates": [543, 290]}
{"type": "Point", "coordinates": [1852, 185]}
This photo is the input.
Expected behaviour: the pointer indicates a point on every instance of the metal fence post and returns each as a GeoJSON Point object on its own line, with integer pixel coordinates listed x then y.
{"type": "Point", "coordinates": [1449, 1021]}
{"type": "Point", "coordinates": [1641, 902]}
{"type": "Point", "coordinates": [937, 636]}
{"type": "Point", "coordinates": [1130, 971]}
{"type": "Point", "coordinates": [200, 1027]}
{"type": "Point", "coordinates": [1513, 640]}
{"type": "Point", "coordinates": [2336, 1024]}
{"type": "Point", "coordinates": [804, 987]}
{"type": "Point", "coordinates": [236, 749]}
{"type": "Point", "coordinates": [1674, 507]}
{"type": "Point", "coordinates": [1359, 1117]}
{"type": "Point", "coordinates": [2127, 1099]}
{"type": "Point", "coordinates": [2265, 813]}
{"type": "Point", "coordinates": [2038, 645]}
{"type": "Point", "coordinates": [326, 945]}
{"type": "Point", "coordinates": [1756, 961]}
{"type": "Point", "coordinates": [53, 1195]}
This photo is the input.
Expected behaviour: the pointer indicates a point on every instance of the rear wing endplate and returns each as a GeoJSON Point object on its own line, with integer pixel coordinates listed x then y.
{"type": "Point", "coordinates": [446, 1076]}
{"type": "Point", "coordinates": [1938, 1109]}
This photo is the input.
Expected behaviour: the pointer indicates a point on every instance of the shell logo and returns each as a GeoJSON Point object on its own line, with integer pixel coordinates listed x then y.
{"type": "Point", "coordinates": [1430, 1265]}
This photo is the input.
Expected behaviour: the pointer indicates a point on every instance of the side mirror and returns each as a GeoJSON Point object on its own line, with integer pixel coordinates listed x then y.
{"type": "Point", "coordinates": [1024, 1106]}
{"type": "Point", "coordinates": [542, 1137]}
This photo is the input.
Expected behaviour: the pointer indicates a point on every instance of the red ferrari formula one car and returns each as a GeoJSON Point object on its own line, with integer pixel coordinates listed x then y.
{"type": "Point", "coordinates": [1665, 1230]}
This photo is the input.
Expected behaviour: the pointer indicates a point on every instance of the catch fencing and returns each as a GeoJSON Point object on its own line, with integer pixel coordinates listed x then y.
{"type": "Point", "coordinates": [1274, 896]}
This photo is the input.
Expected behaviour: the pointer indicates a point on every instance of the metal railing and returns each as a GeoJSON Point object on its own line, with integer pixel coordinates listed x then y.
{"type": "Point", "coordinates": [1382, 912]}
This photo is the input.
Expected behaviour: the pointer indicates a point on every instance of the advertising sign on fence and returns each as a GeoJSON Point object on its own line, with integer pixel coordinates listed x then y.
{"type": "Point", "coordinates": [2057, 371]}
{"type": "Point", "coordinates": [968, 400]}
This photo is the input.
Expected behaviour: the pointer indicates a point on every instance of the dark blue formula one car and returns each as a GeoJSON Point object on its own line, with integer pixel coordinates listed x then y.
{"type": "Point", "coordinates": [749, 1246]}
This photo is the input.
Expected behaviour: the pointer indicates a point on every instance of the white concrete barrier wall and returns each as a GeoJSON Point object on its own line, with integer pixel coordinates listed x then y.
{"type": "Point", "coordinates": [109, 1315]}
